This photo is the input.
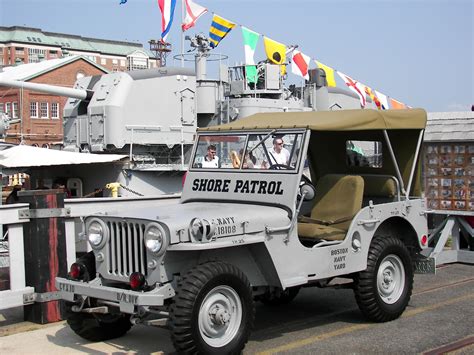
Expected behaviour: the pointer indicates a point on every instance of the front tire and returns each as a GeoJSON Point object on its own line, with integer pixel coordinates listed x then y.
{"type": "Point", "coordinates": [384, 289]}
{"type": "Point", "coordinates": [94, 327]}
{"type": "Point", "coordinates": [213, 310]}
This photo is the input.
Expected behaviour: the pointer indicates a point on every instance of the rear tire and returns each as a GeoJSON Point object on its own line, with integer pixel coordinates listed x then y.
{"type": "Point", "coordinates": [384, 289]}
{"type": "Point", "coordinates": [95, 327]}
{"type": "Point", "coordinates": [213, 310]}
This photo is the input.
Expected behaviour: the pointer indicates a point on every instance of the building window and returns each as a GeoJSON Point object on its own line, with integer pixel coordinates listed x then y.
{"type": "Point", "coordinates": [19, 50]}
{"type": "Point", "coordinates": [114, 61]}
{"type": "Point", "coordinates": [53, 54]}
{"type": "Point", "coordinates": [8, 109]}
{"type": "Point", "coordinates": [44, 110]}
{"type": "Point", "coordinates": [33, 109]}
{"type": "Point", "coordinates": [122, 63]}
{"type": "Point", "coordinates": [2, 108]}
{"type": "Point", "coordinates": [136, 63]}
{"type": "Point", "coordinates": [103, 61]}
{"type": "Point", "coordinates": [55, 110]}
{"type": "Point", "coordinates": [35, 55]}
{"type": "Point", "coordinates": [15, 109]}
{"type": "Point", "coordinates": [92, 58]}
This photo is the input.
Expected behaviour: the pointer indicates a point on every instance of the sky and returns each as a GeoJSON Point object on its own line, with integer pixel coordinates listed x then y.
{"type": "Point", "coordinates": [419, 52]}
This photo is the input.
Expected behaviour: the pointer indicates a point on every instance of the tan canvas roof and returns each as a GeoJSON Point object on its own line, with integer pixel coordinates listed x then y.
{"type": "Point", "coordinates": [341, 120]}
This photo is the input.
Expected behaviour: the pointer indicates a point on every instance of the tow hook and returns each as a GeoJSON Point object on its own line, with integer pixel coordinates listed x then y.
{"type": "Point", "coordinates": [78, 308]}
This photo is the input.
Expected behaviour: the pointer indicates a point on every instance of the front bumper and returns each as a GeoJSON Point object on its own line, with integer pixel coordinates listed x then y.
{"type": "Point", "coordinates": [127, 300]}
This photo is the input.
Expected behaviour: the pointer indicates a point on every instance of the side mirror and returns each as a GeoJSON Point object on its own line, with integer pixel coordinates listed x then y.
{"type": "Point", "coordinates": [307, 191]}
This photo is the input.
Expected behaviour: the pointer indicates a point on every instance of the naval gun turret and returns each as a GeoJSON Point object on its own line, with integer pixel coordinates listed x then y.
{"type": "Point", "coordinates": [148, 114]}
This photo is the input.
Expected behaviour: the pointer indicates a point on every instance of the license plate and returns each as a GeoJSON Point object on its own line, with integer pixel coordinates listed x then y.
{"type": "Point", "coordinates": [66, 287]}
{"type": "Point", "coordinates": [425, 266]}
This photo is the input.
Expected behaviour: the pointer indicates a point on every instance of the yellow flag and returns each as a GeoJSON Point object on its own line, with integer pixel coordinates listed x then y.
{"type": "Point", "coordinates": [276, 53]}
{"type": "Point", "coordinates": [329, 73]}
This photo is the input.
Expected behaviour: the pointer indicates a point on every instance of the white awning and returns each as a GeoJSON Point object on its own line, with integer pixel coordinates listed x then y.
{"type": "Point", "coordinates": [23, 156]}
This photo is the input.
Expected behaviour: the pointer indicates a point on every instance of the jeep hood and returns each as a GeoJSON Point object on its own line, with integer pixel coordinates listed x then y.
{"type": "Point", "coordinates": [227, 218]}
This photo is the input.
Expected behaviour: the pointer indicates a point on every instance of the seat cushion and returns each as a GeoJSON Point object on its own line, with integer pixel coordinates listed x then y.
{"type": "Point", "coordinates": [319, 231]}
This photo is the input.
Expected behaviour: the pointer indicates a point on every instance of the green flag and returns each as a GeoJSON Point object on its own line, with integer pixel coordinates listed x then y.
{"type": "Point", "coordinates": [250, 43]}
{"type": "Point", "coordinates": [251, 73]}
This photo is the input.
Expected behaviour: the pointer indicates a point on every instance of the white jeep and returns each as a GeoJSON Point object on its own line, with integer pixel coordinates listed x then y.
{"type": "Point", "coordinates": [271, 203]}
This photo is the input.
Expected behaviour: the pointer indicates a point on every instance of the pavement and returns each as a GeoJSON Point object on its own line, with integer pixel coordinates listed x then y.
{"type": "Point", "coordinates": [438, 320]}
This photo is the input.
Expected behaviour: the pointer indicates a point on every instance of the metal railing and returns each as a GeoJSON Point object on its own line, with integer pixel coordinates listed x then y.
{"type": "Point", "coordinates": [14, 256]}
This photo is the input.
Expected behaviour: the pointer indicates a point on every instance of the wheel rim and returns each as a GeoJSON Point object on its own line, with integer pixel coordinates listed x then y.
{"type": "Point", "coordinates": [220, 316]}
{"type": "Point", "coordinates": [391, 279]}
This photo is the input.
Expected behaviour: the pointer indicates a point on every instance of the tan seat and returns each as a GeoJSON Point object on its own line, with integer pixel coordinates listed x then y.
{"type": "Point", "coordinates": [379, 189]}
{"type": "Point", "coordinates": [338, 199]}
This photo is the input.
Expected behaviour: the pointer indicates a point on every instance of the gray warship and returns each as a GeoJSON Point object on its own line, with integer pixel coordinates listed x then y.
{"type": "Point", "coordinates": [151, 117]}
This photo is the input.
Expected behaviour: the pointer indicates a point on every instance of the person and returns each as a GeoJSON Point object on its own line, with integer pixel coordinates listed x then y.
{"type": "Point", "coordinates": [250, 161]}
{"type": "Point", "coordinates": [13, 196]}
{"type": "Point", "coordinates": [60, 184]}
{"type": "Point", "coordinates": [211, 160]}
{"type": "Point", "coordinates": [279, 154]}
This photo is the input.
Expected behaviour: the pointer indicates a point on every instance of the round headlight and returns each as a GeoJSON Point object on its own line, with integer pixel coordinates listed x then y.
{"type": "Point", "coordinates": [95, 234]}
{"type": "Point", "coordinates": [154, 238]}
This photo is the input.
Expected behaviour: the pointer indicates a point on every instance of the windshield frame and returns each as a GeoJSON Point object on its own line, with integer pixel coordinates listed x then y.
{"type": "Point", "coordinates": [266, 134]}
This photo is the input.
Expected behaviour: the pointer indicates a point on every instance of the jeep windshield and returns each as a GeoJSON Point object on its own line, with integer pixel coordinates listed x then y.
{"type": "Point", "coordinates": [273, 150]}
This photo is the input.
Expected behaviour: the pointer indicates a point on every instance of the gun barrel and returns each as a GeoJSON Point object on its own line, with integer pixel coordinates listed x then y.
{"type": "Point", "coordinates": [80, 94]}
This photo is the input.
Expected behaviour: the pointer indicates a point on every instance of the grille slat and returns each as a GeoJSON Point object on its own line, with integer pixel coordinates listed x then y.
{"type": "Point", "coordinates": [142, 250]}
{"type": "Point", "coordinates": [124, 252]}
{"type": "Point", "coordinates": [113, 237]}
{"type": "Point", "coordinates": [130, 238]}
{"type": "Point", "coordinates": [127, 253]}
{"type": "Point", "coordinates": [136, 243]}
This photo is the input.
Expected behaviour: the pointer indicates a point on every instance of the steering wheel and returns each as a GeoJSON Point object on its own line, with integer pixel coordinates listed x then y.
{"type": "Point", "coordinates": [279, 166]}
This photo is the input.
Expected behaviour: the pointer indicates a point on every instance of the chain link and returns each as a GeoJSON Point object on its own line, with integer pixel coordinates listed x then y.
{"type": "Point", "coordinates": [130, 190]}
{"type": "Point", "coordinates": [98, 191]}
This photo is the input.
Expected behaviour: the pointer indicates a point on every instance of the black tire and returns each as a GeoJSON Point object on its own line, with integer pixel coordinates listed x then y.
{"type": "Point", "coordinates": [191, 309]}
{"type": "Point", "coordinates": [383, 296]}
{"type": "Point", "coordinates": [94, 327]}
{"type": "Point", "coordinates": [284, 297]}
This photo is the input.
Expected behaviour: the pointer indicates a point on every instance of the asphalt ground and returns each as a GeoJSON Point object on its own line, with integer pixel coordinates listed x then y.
{"type": "Point", "coordinates": [438, 320]}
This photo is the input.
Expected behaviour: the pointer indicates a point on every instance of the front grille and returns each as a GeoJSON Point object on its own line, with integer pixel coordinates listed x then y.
{"type": "Point", "coordinates": [127, 252]}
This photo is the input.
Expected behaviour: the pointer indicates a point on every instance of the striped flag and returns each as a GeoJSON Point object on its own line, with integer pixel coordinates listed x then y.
{"type": "Point", "coordinates": [167, 13]}
{"type": "Point", "coordinates": [300, 64]}
{"type": "Point", "coordinates": [220, 27]}
{"type": "Point", "coordinates": [193, 12]}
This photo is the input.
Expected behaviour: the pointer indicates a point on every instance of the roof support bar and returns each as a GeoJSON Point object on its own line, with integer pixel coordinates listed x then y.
{"type": "Point", "coordinates": [415, 158]}
{"type": "Point", "coordinates": [395, 163]}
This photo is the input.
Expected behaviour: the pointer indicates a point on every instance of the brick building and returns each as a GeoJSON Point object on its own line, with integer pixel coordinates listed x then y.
{"type": "Point", "coordinates": [41, 114]}
{"type": "Point", "coordinates": [20, 45]}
